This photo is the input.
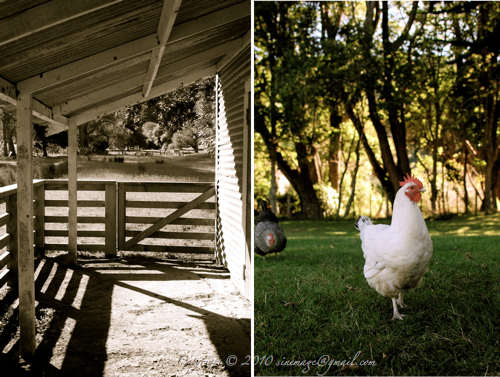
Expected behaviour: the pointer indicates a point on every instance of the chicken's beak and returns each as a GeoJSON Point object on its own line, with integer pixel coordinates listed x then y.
{"type": "Point", "coordinates": [422, 190]}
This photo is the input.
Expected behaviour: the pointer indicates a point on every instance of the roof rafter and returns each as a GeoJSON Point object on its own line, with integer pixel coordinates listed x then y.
{"type": "Point", "coordinates": [245, 41]}
{"type": "Point", "coordinates": [167, 20]}
{"type": "Point", "coordinates": [47, 15]}
{"type": "Point", "coordinates": [142, 45]}
{"type": "Point", "coordinates": [8, 94]}
{"type": "Point", "coordinates": [137, 98]}
{"type": "Point", "coordinates": [114, 90]}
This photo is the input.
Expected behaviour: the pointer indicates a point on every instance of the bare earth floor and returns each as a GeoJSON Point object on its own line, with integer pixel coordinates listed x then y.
{"type": "Point", "coordinates": [134, 317]}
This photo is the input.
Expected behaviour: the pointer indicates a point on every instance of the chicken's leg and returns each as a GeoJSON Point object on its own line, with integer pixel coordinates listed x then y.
{"type": "Point", "coordinates": [396, 312]}
{"type": "Point", "coordinates": [399, 301]}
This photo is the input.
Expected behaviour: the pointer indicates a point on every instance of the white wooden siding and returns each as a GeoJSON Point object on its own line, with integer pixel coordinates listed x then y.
{"type": "Point", "coordinates": [233, 242]}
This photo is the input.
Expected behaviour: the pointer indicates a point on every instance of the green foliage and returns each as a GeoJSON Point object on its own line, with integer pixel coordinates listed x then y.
{"type": "Point", "coordinates": [421, 90]}
{"type": "Point", "coordinates": [328, 197]}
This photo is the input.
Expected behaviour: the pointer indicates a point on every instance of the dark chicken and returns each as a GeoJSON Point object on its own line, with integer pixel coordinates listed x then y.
{"type": "Point", "coordinates": [268, 236]}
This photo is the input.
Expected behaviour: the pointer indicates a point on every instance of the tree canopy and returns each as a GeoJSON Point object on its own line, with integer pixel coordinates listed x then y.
{"type": "Point", "coordinates": [182, 118]}
{"type": "Point", "coordinates": [377, 90]}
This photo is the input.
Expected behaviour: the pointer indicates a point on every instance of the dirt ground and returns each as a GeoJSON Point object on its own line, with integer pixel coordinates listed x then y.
{"type": "Point", "coordinates": [131, 317]}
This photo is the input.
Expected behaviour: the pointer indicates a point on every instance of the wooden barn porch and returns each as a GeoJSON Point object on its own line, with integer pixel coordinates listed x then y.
{"type": "Point", "coordinates": [63, 64]}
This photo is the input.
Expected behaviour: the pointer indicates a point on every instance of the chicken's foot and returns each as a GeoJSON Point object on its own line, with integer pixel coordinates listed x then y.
{"type": "Point", "coordinates": [399, 301]}
{"type": "Point", "coordinates": [396, 315]}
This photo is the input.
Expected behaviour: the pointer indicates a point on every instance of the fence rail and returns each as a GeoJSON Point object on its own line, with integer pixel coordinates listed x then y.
{"type": "Point", "coordinates": [128, 239]}
{"type": "Point", "coordinates": [191, 233]}
{"type": "Point", "coordinates": [109, 220]}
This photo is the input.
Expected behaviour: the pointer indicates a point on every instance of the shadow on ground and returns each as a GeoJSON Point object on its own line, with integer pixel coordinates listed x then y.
{"type": "Point", "coordinates": [114, 318]}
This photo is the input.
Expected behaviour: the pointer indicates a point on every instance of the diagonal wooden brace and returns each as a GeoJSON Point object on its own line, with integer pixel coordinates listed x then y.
{"type": "Point", "coordinates": [173, 216]}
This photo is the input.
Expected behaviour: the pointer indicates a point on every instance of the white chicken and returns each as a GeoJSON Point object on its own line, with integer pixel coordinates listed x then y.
{"type": "Point", "coordinates": [397, 255]}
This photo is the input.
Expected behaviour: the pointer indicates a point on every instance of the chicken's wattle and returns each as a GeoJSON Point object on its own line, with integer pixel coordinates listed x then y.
{"type": "Point", "coordinates": [270, 239]}
{"type": "Point", "coordinates": [416, 196]}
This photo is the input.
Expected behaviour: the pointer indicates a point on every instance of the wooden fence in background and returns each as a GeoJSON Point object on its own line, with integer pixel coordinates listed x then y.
{"type": "Point", "coordinates": [115, 225]}
{"type": "Point", "coordinates": [176, 201]}
{"type": "Point", "coordinates": [109, 218]}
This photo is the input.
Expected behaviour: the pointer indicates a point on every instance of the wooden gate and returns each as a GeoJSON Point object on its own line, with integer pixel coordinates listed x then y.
{"type": "Point", "coordinates": [180, 215]}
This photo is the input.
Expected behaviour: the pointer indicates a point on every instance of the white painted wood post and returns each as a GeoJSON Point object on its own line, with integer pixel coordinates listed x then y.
{"type": "Point", "coordinates": [25, 226]}
{"type": "Point", "coordinates": [247, 194]}
{"type": "Point", "coordinates": [110, 222]}
{"type": "Point", "coordinates": [72, 192]}
{"type": "Point", "coordinates": [218, 249]}
{"type": "Point", "coordinates": [11, 205]}
{"type": "Point", "coordinates": [122, 196]}
{"type": "Point", "coordinates": [40, 219]}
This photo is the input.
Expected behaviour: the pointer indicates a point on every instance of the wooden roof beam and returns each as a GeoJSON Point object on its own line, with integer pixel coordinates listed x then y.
{"type": "Point", "coordinates": [167, 20]}
{"type": "Point", "coordinates": [137, 98]}
{"type": "Point", "coordinates": [128, 50]}
{"type": "Point", "coordinates": [116, 89]}
{"type": "Point", "coordinates": [8, 93]}
{"type": "Point", "coordinates": [46, 15]}
{"type": "Point", "coordinates": [7, 89]}
{"type": "Point", "coordinates": [246, 40]}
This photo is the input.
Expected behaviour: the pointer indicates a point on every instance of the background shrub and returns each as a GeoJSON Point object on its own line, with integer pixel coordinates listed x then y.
{"type": "Point", "coordinates": [8, 174]}
{"type": "Point", "coordinates": [41, 170]}
{"type": "Point", "coordinates": [49, 170]}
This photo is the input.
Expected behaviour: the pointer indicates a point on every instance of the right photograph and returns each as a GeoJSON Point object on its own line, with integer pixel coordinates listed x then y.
{"type": "Point", "coordinates": [376, 188]}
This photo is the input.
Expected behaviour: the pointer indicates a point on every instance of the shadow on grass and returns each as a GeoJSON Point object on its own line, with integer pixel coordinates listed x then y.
{"type": "Point", "coordinates": [74, 308]}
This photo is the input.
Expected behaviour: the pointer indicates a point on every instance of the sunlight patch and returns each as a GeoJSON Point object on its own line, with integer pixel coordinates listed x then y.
{"type": "Point", "coordinates": [49, 278]}
{"type": "Point", "coordinates": [62, 288]}
{"type": "Point", "coordinates": [62, 343]}
{"type": "Point", "coordinates": [77, 302]}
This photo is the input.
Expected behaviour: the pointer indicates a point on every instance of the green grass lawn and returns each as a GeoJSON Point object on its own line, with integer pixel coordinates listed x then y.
{"type": "Point", "coordinates": [315, 301]}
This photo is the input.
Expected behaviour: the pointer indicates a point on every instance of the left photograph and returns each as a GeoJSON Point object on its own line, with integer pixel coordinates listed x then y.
{"type": "Point", "coordinates": [125, 188]}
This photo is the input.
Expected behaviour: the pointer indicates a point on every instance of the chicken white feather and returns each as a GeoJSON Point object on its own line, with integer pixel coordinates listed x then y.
{"type": "Point", "coordinates": [397, 255]}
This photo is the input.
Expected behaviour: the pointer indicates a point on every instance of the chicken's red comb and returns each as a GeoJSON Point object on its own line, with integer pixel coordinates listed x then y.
{"type": "Point", "coordinates": [411, 179]}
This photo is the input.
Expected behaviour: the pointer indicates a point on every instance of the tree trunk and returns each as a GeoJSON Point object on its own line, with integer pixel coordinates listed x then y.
{"type": "Point", "coordinates": [380, 172]}
{"type": "Point", "coordinates": [492, 110]}
{"type": "Point", "coordinates": [311, 207]}
{"type": "Point", "coordinates": [9, 125]}
{"type": "Point", "coordinates": [334, 151]}
{"type": "Point", "coordinates": [274, 186]}
{"type": "Point", "coordinates": [299, 178]}
{"type": "Point", "coordinates": [82, 142]}
{"type": "Point", "coordinates": [344, 171]}
{"type": "Point", "coordinates": [315, 167]}
{"type": "Point", "coordinates": [498, 179]}
{"type": "Point", "coordinates": [353, 181]}
{"type": "Point", "coordinates": [466, 193]}
{"type": "Point", "coordinates": [10, 142]}
{"type": "Point", "coordinates": [433, 180]}
{"type": "Point", "coordinates": [5, 153]}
